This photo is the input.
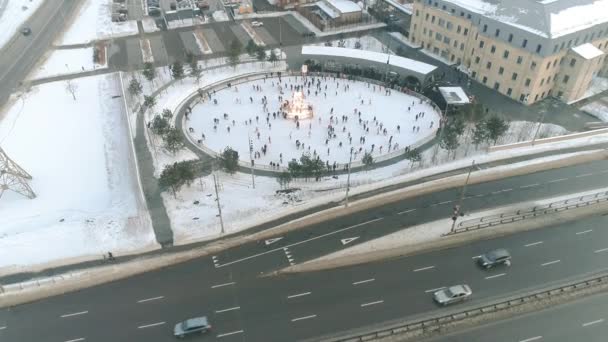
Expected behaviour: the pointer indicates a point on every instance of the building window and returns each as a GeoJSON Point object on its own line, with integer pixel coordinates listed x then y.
{"type": "Point", "coordinates": [485, 28]}
{"type": "Point", "coordinates": [477, 59]}
{"type": "Point", "coordinates": [493, 49]}
{"type": "Point", "coordinates": [548, 79]}
{"type": "Point", "coordinates": [560, 93]}
{"type": "Point", "coordinates": [561, 61]}
{"type": "Point", "coordinates": [524, 43]}
{"type": "Point", "coordinates": [514, 76]}
{"type": "Point", "coordinates": [572, 62]}
{"type": "Point", "coordinates": [455, 43]}
{"type": "Point", "coordinates": [441, 22]}
{"type": "Point", "coordinates": [473, 74]}
{"type": "Point", "coordinates": [509, 92]}
{"type": "Point", "coordinates": [527, 84]}
{"type": "Point", "coordinates": [446, 40]}
{"type": "Point", "coordinates": [510, 37]}
{"type": "Point", "coordinates": [438, 36]}
{"type": "Point", "coordinates": [497, 33]}
{"type": "Point", "coordinates": [505, 55]}
{"type": "Point", "coordinates": [519, 59]}
{"type": "Point", "coordinates": [472, 51]}
{"type": "Point", "coordinates": [542, 82]}
{"type": "Point", "coordinates": [433, 19]}
{"type": "Point", "coordinates": [461, 13]}
{"type": "Point", "coordinates": [566, 79]}
{"type": "Point", "coordinates": [468, 16]}
{"type": "Point", "coordinates": [466, 31]}
{"type": "Point", "coordinates": [431, 33]}
{"type": "Point", "coordinates": [427, 17]}
{"type": "Point", "coordinates": [533, 66]}
{"type": "Point", "coordinates": [458, 29]}
{"type": "Point", "coordinates": [417, 13]}
{"type": "Point", "coordinates": [461, 46]}
{"type": "Point", "coordinates": [424, 31]}
{"type": "Point", "coordinates": [485, 80]}
{"type": "Point", "coordinates": [554, 63]}
{"type": "Point", "coordinates": [536, 98]}
{"type": "Point", "coordinates": [522, 97]}
{"type": "Point", "coordinates": [496, 86]}
{"type": "Point", "coordinates": [443, 7]}
{"type": "Point", "coordinates": [489, 65]}
{"type": "Point", "coordinates": [481, 44]}
{"type": "Point", "coordinates": [548, 65]}
{"type": "Point", "coordinates": [501, 70]}
{"type": "Point", "coordinates": [542, 96]}
{"type": "Point", "coordinates": [538, 48]}
{"type": "Point", "coordinates": [453, 11]}
{"type": "Point", "coordinates": [555, 48]}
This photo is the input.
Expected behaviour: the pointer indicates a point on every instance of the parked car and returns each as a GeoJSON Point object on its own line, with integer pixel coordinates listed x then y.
{"type": "Point", "coordinates": [309, 34]}
{"type": "Point", "coordinates": [191, 326]}
{"type": "Point", "coordinates": [257, 23]}
{"type": "Point", "coordinates": [452, 294]}
{"type": "Point", "coordinates": [26, 31]}
{"type": "Point", "coordinates": [494, 258]}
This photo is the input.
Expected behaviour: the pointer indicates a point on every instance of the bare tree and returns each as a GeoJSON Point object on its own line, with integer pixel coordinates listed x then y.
{"type": "Point", "coordinates": [71, 88]}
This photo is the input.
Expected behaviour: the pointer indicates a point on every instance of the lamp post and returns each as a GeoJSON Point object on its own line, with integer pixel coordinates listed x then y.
{"type": "Point", "coordinates": [458, 207]}
{"type": "Point", "coordinates": [348, 178]}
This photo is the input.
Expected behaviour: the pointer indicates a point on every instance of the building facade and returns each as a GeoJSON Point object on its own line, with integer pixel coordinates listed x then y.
{"type": "Point", "coordinates": [524, 49]}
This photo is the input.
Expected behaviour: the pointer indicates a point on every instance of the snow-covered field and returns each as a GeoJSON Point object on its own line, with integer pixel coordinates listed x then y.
{"type": "Point", "coordinates": [68, 61]}
{"type": "Point", "coordinates": [12, 15]}
{"type": "Point", "coordinates": [246, 116]}
{"type": "Point", "coordinates": [598, 109]}
{"type": "Point", "coordinates": [80, 157]}
{"type": "Point", "coordinates": [94, 21]}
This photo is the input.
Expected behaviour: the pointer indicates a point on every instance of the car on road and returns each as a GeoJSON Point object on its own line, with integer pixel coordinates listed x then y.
{"type": "Point", "coordinates": [452, 294]}
{"type": "Point", "coordinates": [26, 31]}
{"type": "Point", "coordinates": [494, 258]}
{"type": "Point", "coordinates": [309, 34]}
{"type": "Point", "coordinates": [257, 23]}
{"type": "Point", "coordinates": [191, 326]}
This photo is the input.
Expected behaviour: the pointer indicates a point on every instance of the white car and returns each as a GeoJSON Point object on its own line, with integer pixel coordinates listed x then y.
{"type": "Point", "coordinates": [257, 23]}
{"type": "Point", "coordinates": [452, 294]}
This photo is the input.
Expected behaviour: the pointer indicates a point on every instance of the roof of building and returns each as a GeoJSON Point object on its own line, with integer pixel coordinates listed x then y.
{"type": "Point", "coordinates": [379, 57]}
{"type": "Point", "coordinates": [547, 18]}
{"type": "Point", "coordinates": [588, 51]}
{"type": "Point", "coordinates": [454, 95]}
{"type": "Point", "coordinates": [327, 10]}
{"type": "Point", "coordinates": [344, 6]}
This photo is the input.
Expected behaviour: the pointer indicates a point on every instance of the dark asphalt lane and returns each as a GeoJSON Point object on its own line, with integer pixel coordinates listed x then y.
{"type": "Point", "coordinates": [323, 238]}
{"type": "Point", "coordinates": [293, 307]}
{"type": "Point", "coordinates": [583, 320]}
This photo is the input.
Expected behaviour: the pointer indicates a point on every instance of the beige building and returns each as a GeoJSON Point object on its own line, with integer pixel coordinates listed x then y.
{"type": "Point", "coordinates": [524, 49]}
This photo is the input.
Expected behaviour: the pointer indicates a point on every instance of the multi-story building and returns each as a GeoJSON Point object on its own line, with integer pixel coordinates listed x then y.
{"type": "Point", "coordinates": [524, 49]}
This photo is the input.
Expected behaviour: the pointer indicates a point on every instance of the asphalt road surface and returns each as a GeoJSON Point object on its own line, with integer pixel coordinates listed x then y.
{"type": "Point", "coordinates": [244, 307]}
{"type": "Point", "coordinates": [584, 320]}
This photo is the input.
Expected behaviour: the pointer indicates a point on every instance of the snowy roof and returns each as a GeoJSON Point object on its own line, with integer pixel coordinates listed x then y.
{"type": "Point", "coordinates": [405, 8]}
{"type": "Point", "coordinates": [344, 6]}
{"type": "Point", "coordinates": [587, 51]}
{"type": "Point", "coordinates": [547, 18]}
{"type": "Point", "coordinates": [328, 10]}
{"type": "Point", "coordinates": [454, 95]}
{"type": "Point", "coordinates": [379, 57]}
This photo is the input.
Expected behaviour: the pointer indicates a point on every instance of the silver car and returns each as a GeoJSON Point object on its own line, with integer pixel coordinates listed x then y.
{"type": "Point", "coordinates": [452, 294]}
{"type": "Point", "coordinates": [192, 325]}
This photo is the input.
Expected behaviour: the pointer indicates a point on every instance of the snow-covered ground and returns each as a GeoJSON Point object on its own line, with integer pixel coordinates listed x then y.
{"type": "Point", "coordinates": [599, 109]}
{"type": "Point", "coordinates": [12, 15]}
{"type": "Point", "coordinates": [220, 16]}
{"type": "Point", "coordinates": [67, 61]}
{"type": "Point", "coordinates": [149, 24]}
{"type": "Point", "coordinates": [80, 157]}
{"type": "Point", "coordinates": [397, 113]}
{"type": "Point", "coordinates": [93, 22]}
{"type": "Point", "coordinates": [368, 43]}
{"type": "Point", "coordinates": [598, 85]}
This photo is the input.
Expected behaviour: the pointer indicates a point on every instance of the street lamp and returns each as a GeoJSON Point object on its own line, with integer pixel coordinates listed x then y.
{"type": "Point", "coordinates": [458, 207]}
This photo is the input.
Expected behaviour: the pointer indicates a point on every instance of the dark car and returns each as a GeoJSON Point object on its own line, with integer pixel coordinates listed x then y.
{"type": "Point", "coordinates": [494, 258]}
{"type": "Point", "coordinates": [309, 34]}
{"type": "Point", "coordinates": [191, 326]}
{"type": "Point", "coordinates": [26, 31]}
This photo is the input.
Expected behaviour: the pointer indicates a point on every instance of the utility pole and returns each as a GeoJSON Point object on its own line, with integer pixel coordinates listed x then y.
{"type": "Point", "coordinates": [457, 208]}
{"type": "Point", "coordinates": [348, 178]}
{"type": "Point", "coordinates": [540, 122]}
{"type": "Point", "coordinates": [217, 199]}
{"type": "Point", "coordinates": [252, 162]}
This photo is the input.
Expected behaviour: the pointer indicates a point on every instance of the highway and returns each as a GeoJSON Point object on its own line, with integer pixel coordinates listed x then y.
{"type": "Point", "coordinates": [243, 307]}
{"type": "Point", "coordinates": [583, 320]}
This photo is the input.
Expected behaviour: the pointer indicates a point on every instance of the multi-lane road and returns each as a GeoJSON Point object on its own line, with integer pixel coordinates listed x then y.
{"type": "Point", "coordinates": [245, 307]}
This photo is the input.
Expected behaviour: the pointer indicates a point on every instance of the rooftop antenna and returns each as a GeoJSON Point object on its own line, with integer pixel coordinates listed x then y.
{"type": "Point", "coordinates": [13, 177]}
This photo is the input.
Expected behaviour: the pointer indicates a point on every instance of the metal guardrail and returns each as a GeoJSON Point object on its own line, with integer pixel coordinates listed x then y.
{"type": "Point", "coordinates": [519, 215]}
{"type": "Point", "coordinates": [434, 322]}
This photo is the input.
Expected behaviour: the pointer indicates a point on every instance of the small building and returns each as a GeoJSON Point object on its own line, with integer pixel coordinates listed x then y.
{"type": "Point", "coordinates": [341, 11]}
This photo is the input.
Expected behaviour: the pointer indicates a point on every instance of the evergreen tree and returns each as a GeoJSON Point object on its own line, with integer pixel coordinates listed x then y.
{"type": "Point", "coordinates": [367, 159]}
{"type": "Point", "coordinates": [480, 133]}
{"type": "Point", "coordinates": [413, 156]}
{"type": "Point", "coordinates": [234, 52]}
{"type": "Point", "coordinates": [284, 179]}
{"type": "Point", "coordinates": [294, 168]}
{"type": "Point", "coordinates": [229, 160]}
{"type": "Point", "coordinates": [149, 101]}
{"type": "Point", "coordinates": [167, 114]}
{"type": "Point", "coordinates": [159, 125]}
{"type": "Point", "coordinates": [260, 54]}
{"type": "Point", "coordinates": [196, 72]}
{"type": "Point", "coordinates": [177, 70]}
{"type": "Point", "coordinates": [273, 57]}
{"type": "Point", "coordinates": [496, 128]}
{"type": "Point", "coordinates": [135, 87]}
{"type": "Point", "coordinates": [251, 48]}
{"type": "Point", "coordinates": [149, 71]}
{"type": "Point", "coordinates": [175, 175]}
{"type": "Point", "coordinates": [173, 139]}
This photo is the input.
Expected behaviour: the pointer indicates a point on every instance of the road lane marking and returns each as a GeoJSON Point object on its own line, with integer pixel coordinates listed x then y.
{"type": "Point", "coordinates": [216, 263]}
{"type": "Point", "coordinates": [76, 340]}
{"type": "Point", "coordinates": [301, 242]}
{"type": "Point", "coordinates": [298, 295]}
{"type": "Point", "coordinates": [406, 211]}
{"type": "Point", "coordinates": [302, 318]}
{"type": "Point", "coordinates": [533, 244]}
{"type": "Point", "coordinates": [230, 309]}
{"type": "Point", "coordinates": [476, 257]}
{"type": "Point", "coordinates": [601, 250]}
{"type": "Point", "coordinates": [532, 339]}
{"type": "Point", "coordinates": [150, 299]}
{"type": "Point", "coordinates": [529, 186]}
{"type": "Point", "coordinates": [433, 290]}
{"type": "Point", "coordinates": [479, 195]}
{"type": "Point", "coordinates": [444, 202]}
{"type": "Point", "coordinates": [424, 268]}
{"type": "Point", "coordinates": [150, 325]}
{"type": "Point", "coordinates": [269, 241]}
{"type": "Point", "coordinates": [507, 190]}
{"type": "Point", "coordinates": [348, 240]}
{"type": "Point", "coordinates": [584, 232]}
{"type": "Point", "coordinates": [363, 281]}
{"type": "Point", "coordinates": [557, 180]}
{"type": "Point", "coordinates": [2, 328]}
{"type": "Point", "coordinates": [222, 285]}
{"type": "Point", "coordinates": [75, 314]}
{"type": "Point", "coordinates": [550, 263]}
{"type": "Point", "coordinates": [584, 175]}
{"type": "Point", "coordinates": [496, 276]}
{"type": "Point", "coordinates": [230, 333]}
{"type": "Point", "coordinates": [593, 322]}
{"type": "Point", "coordinates": [372, 303]}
